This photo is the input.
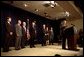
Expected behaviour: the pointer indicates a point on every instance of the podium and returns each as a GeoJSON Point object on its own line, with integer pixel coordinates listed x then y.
{"type": "Point", "coordinates": [71, 40]}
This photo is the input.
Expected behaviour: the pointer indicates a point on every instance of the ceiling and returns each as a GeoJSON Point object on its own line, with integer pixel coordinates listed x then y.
{"type": "Point", "coordinates": [52, 13]}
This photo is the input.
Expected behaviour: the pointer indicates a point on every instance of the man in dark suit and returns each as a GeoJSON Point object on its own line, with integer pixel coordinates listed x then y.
{"type": "Point", "coordinates": [69, 35]}
{"type": "Point", "coordinates": [24, 35]}
{"type": "Point", "coordinates": [28, 33]}
{"type": "Point", "coordinates": [44, 37]}
{"type": "Point", "coordinates": [9, 33]}
{"type": "Point", "coordinates": [33, 32]}
{"type": "Point", "coordinates": [51, 35]}
{"type": "Point", "coordinates": [63, 26]}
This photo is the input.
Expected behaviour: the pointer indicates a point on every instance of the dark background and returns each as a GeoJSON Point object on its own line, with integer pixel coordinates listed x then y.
{"type": "Point", "coordinates": [79, 4]}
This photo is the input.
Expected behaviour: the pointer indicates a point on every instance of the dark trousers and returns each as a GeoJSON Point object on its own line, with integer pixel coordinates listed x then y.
{"type": "Point", "coordinates": [27, 42]}
{"type": "Point", "coordinates": [6, 43]}
{"type": "Point", "coordinates": [23, 41]}
{"type": "Point", "coordinates": [18, 42]}
{"type": "Point", "coordinates": [64, 42]}
{"type": "Point", "coordinates": [31, 42]}
{"type": "Point", "coordinates": [51, 41]}
{"type": "Point", "coordinates": [44, 41]}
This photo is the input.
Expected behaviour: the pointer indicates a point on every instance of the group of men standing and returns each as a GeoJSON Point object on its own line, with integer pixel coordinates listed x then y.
{"type": "Point", "coordinates": [20, 35]}
{"type": "Point", "coordinates": [48, 35]}
{"type": "Point", "coordinates": [24, 33]}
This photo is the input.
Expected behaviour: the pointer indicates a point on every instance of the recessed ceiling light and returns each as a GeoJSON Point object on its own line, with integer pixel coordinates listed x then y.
{"type": "Point", "coordinates": [36, 10]}
{"type": "Point", "coordinates": [67, 13]}
{"type": "Point", "coordinates": [52, 2]}
{"type": "Point", "coordinates": [25, 5]}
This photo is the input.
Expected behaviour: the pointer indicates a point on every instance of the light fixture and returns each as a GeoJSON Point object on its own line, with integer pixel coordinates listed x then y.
{"type": "Point", "coordinates": [36, 10]}
{"type": "Point", "coordinates": [25, 5]}
{"type": "Point", "coordinates": [67, 13]}
{"type": "Point", "coordinates": [52, 4]}
{"type": "Point", "coordinates": [56, 4]}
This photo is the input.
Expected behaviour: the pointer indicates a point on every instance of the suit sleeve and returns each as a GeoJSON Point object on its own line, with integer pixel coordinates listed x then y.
{"type": "Point", "coordinates": [16, 29]}
{"type": "Point", "coordinates": [8, 28]}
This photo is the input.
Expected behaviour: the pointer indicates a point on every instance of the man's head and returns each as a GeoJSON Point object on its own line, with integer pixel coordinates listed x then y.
{"type": "Point", "coordinates": [64, 23]}
{"type": "Point", "coordinates": [27, 19]}
{"type": "Point", "coordinates": [19, 21]}
{"type": "Point", "coordinates": [34, 21]}
{"type": "Point", "coordinates": [51, 28]}
{"type": "Point", "coordinates": [44, 26]}
{"type": "Point", "coordinates": [24, 23]}
{"type": "Point", "coordinates": [47, 28]}
{"type": "Point", "coordinates": [9, 19]}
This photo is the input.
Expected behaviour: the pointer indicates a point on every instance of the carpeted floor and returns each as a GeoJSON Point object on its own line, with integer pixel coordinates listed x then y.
{"type": "Point", "coordinates": [49, 50]}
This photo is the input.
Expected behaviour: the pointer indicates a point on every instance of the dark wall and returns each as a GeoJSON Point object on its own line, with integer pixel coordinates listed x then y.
{"type": "Point", "coordinates": [79, 3]}
{"type": "Point", "coordinates": [16, 13]}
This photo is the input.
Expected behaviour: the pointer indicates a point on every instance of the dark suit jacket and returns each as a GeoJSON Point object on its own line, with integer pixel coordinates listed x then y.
{"type": "Point", "coordinates": [32, 32]}
{"type": "Point", "coordinates": [24, 33]}
{"type": "Point", "coordinates": [8, 29]}
{"type": "Point", "coordinates": [18, 30]}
